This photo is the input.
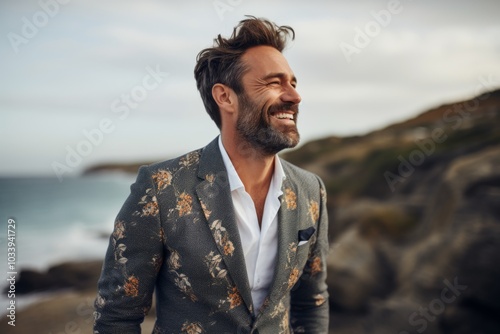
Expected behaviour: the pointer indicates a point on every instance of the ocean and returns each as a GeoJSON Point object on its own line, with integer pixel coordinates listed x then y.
{"type": "Point", "coordinates": [59, 221]}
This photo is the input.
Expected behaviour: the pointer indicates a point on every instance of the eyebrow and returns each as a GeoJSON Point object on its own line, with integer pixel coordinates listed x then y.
{"type": "Point", "coordinates": [280, 75]}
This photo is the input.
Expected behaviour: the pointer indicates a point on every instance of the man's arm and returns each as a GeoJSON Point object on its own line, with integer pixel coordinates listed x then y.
{"type": "Point", "coordinates": [309, 299]}
{"type": "Point", "coordinates": [132, 261]}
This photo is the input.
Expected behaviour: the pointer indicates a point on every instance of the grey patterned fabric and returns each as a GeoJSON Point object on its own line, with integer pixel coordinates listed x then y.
{"type": "Point", "coordinates": [176, 235]}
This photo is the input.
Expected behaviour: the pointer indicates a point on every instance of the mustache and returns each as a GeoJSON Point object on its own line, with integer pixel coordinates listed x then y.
{"type": "Point", "coordinates": [284, 107]}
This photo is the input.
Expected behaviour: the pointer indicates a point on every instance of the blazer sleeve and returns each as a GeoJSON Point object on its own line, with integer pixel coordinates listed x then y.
{"type": "Point", "coordinates": [309, 297]}
{"type": "Point", "coordinates": [132, 262]}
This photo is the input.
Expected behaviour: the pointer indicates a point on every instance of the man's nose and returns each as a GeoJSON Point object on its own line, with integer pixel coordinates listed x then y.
{"type": "Point", "coordinates": [291, 95]}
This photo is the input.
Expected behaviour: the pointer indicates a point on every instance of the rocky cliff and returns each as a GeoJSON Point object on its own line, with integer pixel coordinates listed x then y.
{"type": "Point", "coordinates": [415, 222]}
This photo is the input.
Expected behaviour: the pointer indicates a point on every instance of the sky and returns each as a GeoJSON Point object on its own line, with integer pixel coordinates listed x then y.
{"type": "Point", "coordinates": [86, 82]}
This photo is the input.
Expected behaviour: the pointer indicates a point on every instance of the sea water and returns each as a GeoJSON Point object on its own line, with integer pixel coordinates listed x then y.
{"type": "Point", "coordinates": [59, 221]}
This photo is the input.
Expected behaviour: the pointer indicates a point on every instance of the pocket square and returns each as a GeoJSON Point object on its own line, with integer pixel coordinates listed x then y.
{"type": "Point", "coordinates": [305, 235]}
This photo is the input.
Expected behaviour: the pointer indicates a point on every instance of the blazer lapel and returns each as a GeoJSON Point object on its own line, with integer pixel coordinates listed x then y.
{"type": "Point", "coordinates": [287, 242]}
{"type": "Point", "coordinates": [215, 198]}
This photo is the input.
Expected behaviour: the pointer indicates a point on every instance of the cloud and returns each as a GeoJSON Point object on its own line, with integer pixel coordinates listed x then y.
{"type": "Point", "coordinates": [94, 51]}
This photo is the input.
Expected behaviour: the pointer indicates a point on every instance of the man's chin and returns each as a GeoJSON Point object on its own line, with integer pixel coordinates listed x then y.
{"type": "Point", "coordinates": [292, 141]}
{"type": "Point", "coordinates": [281, 142]}
{"type": "Point", "coordinates": [292, 136]}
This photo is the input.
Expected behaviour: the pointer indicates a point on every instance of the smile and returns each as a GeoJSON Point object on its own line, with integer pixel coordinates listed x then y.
{"type": "Point", "coordinates": [284, 115]}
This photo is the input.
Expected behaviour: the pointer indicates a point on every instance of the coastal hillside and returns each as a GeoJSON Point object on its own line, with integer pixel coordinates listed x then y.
{"type": "Point", "coordinates": [415, 221]}
{"type": "Point", "coordinates": [374, 165]}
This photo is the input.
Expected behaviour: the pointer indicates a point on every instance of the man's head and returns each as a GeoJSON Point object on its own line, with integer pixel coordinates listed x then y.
{"type": "Point", "coordinates": [250, 65]}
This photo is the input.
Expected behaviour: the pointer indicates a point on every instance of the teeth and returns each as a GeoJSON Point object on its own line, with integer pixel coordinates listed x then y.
{"type": "Point", "coordinates": [284, 116]}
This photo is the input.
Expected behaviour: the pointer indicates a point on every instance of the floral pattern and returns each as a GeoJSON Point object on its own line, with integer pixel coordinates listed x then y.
{"type": "Point", "coordinates": [184, 204]}
{"type": "Point", "coordinates": [156, 261]}
{"type": "Point", "coordinates": [322, 193]}
{"type": "Point", "coordinates": [285, 323]}
{"type": "Point", "coordinates": [294, 271]}
{"type": "Point", "coordinates": [162, 179]}
{"type": "Point", "coordinates": [149, 204]}
{"type": "Point", "coordinates": [281, 311]}
{"type": "Point", "coordinates": [228, 248]}
{"type": "Point", "coordinates": [314, 210]}
{"type": "Point", "coordinates": [150, 209]}
{"type": "Point", "coordinates": [97, 316]}
{"type": "Point", "coordinates": [292, 248]}
{"type": "Point", "coordinates": [205, 210]}
{"type": "Point", "coordinates": [161, 235]}
{"type": "Point", "coordinates": [233, 298]}
{"type": "Point", "coordinates": [174, 260]}
{"type": "Point", "coordinates": [100, 301]}
{"type": "Point", "coordinates": [181, 281]}
{"type": "Point", "coordinates": [319, 299]}
{"type": "Point", "coordinates": [294, 277]}
{"type": "Point", "coordinates": [183, 284]}
{"type": "Point", "coordinates": [222, 237]}
{"type": "Point", "coordinates": [278, 309]}
{"type": "Point", "coordinates": [315, 266]}
{"type": "Point", "coordinates": [213, 261]}
{"type": "Point", "coordinates": [119, 231]}
{"type": "Point", "coordinates": [190, 159]}
{"type": "Point", "coordinates": [192, 328]}
{"type": "Point", "coordinates": [290, 199]}
{"type": "Point", "coordinates": [131, 286]}
{"type": "Point", "coordinates": [119, 250]}
{"type": "Point", "coordinates": [210, 178]}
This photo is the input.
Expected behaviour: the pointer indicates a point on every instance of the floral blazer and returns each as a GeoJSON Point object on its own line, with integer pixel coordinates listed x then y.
{"type": "Point", "coordinates": [176, 235]}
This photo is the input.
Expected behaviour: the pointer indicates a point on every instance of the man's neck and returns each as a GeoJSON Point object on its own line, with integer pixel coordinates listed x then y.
{"type": "Point", "coordinates": [254, 169]}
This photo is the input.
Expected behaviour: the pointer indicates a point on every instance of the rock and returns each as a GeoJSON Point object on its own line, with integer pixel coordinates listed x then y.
{"type": "Point", "coordinates": [33, 281]}
{"type": "Point", "coordinates": [478, 308]}
{"type": "Point", "coordinates": [357, 273]}
{"type": "Point", "coordinates": [73, 275]}
{"type": "Point", "coordinates": [461, 248]}
{"type": "Point", "coordinates": [426, 257]}
{"type": "Point", "coordinates": [78, 275]}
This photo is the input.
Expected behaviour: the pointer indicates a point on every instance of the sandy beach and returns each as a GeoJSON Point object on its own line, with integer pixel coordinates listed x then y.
{"type": "Point", "coordinates": [68, 312]}
{"type": "Point", "coordinates": [62, 311]}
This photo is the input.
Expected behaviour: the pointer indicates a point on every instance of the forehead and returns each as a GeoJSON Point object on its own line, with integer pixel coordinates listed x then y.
{"type": "Point", "coordinates": [263, 60]}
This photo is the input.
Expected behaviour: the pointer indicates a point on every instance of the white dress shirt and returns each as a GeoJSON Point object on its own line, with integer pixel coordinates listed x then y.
{"type": "Point", "coordinates": [260, 245]}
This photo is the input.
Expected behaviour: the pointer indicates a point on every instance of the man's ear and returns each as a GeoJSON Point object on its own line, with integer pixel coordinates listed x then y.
{"type": "Point", "coordinates": [224, 97]}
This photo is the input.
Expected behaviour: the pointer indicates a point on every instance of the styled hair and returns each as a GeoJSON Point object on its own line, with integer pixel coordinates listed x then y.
{"type": "Point", "coordinates": [222, 63]}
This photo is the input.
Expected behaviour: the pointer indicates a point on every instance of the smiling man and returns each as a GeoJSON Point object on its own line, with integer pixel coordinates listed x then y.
{"type": "Point", "coordinates": [230, 237]}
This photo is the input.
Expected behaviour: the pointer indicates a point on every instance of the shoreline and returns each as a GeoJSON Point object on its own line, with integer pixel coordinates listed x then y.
{"type": "Point", "coordinates": [62, 309]}
{"type": "Point", "coordinates": [63, 312]}
{"type": "Point", "coordinates": [34, 286]}
{"type": "Point", "coordinates": [66, 305]}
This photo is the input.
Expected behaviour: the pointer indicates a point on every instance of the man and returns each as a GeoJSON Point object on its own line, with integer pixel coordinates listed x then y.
{"type": "Point", "coordinates": [233, 239]}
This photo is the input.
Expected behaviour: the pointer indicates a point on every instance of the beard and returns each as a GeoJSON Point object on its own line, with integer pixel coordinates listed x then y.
{"type": "Point", "coordinates": [260, 133]}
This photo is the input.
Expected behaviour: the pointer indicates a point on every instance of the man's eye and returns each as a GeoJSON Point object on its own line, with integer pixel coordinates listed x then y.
{"type": "Point", "coordinates": [273, 83]}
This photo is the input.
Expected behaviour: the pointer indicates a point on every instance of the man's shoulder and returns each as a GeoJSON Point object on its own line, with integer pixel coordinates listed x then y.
{"type": "Point", "coordinates": [186, 160]}
{"type": "Point", "coordinates": [300, 175]}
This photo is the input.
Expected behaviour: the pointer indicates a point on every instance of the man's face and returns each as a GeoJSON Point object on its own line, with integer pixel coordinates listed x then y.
{"type": "Point", "coordinates": [268, 107]}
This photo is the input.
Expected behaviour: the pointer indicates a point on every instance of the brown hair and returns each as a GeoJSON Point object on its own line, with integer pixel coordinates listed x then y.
{"type": "Point", "coordinates": [222, 62]}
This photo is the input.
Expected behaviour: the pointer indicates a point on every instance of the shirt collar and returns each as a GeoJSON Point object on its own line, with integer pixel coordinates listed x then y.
{"type": "Point", "coordinates": [235, 181]}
